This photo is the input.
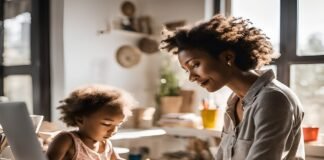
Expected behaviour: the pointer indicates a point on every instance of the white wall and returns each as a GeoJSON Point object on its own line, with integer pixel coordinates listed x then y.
{"type": "Point", "coordinates": [82, 56]}
{"type": "Point", "coordinates": [57, 55]}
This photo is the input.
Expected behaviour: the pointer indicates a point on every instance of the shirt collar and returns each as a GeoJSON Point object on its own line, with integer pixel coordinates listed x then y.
{"type": "Point", "coordinates": [266, 77]}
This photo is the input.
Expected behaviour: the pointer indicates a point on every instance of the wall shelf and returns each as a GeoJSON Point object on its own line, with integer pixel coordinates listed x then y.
{"type": "Point", "coordinates": [192, 132]}
{"type": "Point", "coordinates": [127, 33]}
{"type": "Point", "coordinates": [314, 150]}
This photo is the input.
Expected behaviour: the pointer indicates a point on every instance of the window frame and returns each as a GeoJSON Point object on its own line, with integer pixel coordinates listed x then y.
{"type": "Point", "coordinates": [288, 42]}
{"type": "Point", "coordinates": [288, 38]}
{"type": "Point", "coordinates": [39, 69]}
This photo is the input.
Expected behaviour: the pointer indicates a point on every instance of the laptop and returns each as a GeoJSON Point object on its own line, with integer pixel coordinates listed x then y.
{"type": "Point", "coordinates": [20, 132]}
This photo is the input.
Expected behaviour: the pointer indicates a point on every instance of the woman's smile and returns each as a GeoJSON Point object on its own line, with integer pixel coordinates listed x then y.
{"type": "Point", "coordinates": [203, 83]}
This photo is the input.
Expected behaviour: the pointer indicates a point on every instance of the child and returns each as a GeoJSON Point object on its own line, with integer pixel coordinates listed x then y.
{"type": "Point", "coordinates": [97, 112]}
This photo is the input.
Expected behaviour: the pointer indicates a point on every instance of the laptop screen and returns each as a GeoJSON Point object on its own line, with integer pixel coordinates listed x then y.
{"type": "Point", "coordinates": [20, 131]}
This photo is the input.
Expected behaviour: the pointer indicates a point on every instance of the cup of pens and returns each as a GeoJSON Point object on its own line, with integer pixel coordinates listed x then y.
{"type": "Point", "coordinates": [208, 115]}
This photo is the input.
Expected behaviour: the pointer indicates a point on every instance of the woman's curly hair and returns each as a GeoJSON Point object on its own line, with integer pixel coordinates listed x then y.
{"type": "Point", "coordinates": [252, 47]}
{"type": "Point", "coordinates": [86, 100]}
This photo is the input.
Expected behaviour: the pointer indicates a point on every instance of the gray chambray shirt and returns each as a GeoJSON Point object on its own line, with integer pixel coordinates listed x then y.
{"type": "Point", "coordinates": [271, 124]}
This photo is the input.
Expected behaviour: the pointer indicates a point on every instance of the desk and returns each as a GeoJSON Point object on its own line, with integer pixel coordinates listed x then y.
{"type": "Point", "coordinates": [163, 139]}
{"type": "Point", "coordinates": [171, 131]}
{"type": "Point", "coordinates": [137, 133]}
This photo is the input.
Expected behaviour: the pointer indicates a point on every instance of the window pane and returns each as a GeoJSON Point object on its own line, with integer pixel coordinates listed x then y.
{"type": "Point", "coordinates": [307, 81]}
{"type": "Point", "coordinates": [19, 88]}
{"type": "Point", "coordinates": [310, 27]}
{"type": "Point", "coordinates": [17, 32]}
{"type": "Point", "coordinates": [265, 16]}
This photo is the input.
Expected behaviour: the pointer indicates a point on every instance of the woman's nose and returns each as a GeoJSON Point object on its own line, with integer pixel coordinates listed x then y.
{"type": "Point", "coordinates": [192, 77]}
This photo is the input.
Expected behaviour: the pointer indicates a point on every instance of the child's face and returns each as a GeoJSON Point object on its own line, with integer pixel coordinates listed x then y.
{"type": "Point", "coordinates": [100, 125]}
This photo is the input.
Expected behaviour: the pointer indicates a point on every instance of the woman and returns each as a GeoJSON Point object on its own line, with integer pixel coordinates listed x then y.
{"type": "Point", "coordinates": [263, 117]}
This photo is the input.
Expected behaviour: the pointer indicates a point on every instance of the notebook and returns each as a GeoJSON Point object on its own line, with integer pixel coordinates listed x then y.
{"type": "Point", "coordinates": [20, 132]}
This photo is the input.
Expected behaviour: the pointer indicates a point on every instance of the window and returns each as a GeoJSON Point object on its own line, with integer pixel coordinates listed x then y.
{"type": "Point", "coordinates": [24, 67]}
{"type": "Point", "coordinates": [266, 16]}
{"type": "Point", "coordinates": [307, 80]}
{"type": "Point", "coordinates": [16, 38]}
{"type": "Point", "coordinates": [19, 88]}
{"type": "Point", "coordinates": [301, 65]}
{"type": "Point", "coordinates": [310, 28]}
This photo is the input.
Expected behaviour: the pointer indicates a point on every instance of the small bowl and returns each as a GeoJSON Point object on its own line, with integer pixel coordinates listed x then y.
{"type": "Point", "coordinates": [310, 133]}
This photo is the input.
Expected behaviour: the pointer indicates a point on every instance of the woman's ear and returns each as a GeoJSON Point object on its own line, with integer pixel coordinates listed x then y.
{"type": "Point", "coordinates": [228, 57]}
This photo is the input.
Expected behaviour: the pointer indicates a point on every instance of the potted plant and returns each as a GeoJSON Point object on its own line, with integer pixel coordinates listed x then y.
{"type": "Point", "coordinates": [168, 97]}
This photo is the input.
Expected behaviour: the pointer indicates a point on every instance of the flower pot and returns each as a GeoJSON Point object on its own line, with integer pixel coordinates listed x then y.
{"type": "Point", "coordinates": [170, 104]}
{"type": "Point", "coordinates": [310, 133]}
{"type": "Point", "coordinates": [187, 101]}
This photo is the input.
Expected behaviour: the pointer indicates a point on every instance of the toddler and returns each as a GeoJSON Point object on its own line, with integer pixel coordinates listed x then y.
{"type": "Point", "coordinates": [97, 111]}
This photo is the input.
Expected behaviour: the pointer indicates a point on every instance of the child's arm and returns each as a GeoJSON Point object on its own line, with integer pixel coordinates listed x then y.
{"type": "Point", "coordinates": [60, 146]}
{"type": "Point", "coordinates": [115, 156]}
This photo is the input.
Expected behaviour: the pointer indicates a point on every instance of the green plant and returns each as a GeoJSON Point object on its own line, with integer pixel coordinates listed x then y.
{"type": "Point", "coordinates": [169, 85]}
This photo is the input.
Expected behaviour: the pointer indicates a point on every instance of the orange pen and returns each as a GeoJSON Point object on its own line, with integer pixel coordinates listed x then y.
{"type": "Point", "coordinates": [205, 104]}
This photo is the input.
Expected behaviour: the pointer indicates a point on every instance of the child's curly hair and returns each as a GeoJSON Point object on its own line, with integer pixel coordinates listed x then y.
{"type": "Point", "coordinates": [87, 100]}
{"type": "Point", "coordinates": [252, 47]}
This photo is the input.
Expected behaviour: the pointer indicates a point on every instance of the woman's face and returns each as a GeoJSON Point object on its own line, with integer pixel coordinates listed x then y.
{"type": "Point", "coordinates": [209, 72]}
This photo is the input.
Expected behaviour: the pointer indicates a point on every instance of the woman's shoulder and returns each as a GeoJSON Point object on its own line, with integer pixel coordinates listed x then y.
{"type": "Point", "coordinates": [277, 91]}
{"type": "Point", "coordinates": [274, 99]}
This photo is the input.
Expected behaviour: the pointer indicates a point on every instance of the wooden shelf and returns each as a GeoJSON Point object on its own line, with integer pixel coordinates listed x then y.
{"type": "Point", "coordinates": [125, 33]}
{"type": "Point", "coordinates": [314, 149]}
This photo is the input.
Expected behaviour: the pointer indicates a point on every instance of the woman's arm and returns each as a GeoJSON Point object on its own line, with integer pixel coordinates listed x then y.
{"type": "Point", "coordinates": [273, 122]}
{"type": "Point", "coordinates": [60, 146]}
